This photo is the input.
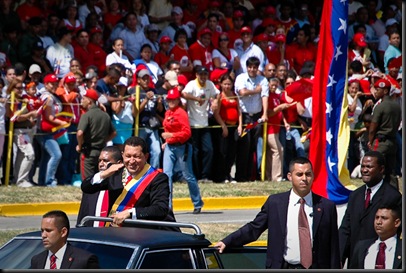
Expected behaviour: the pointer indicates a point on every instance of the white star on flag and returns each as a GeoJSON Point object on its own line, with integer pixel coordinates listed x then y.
{"type": "Point", "coordinates": [331, 80]}
{"type": "Point", "coordinates": [343, 26]}
{"type": "Point", "coordinates": [330, 164]}
{"type": "Point", "coordinates": [329, 136]}
{"type": "Point", "coordinates": [338, 53]}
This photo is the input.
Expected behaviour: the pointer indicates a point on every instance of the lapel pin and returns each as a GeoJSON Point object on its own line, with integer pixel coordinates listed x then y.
{"type": "Point", "coordinates": [70, 259]}
{"type": "Point", "coordinates": [318, 209]}
{"type": "Point", "coordinates": [399, 257]}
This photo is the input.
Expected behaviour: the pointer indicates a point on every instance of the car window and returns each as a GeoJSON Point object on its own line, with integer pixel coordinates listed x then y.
{"type": "Point", "coordinates": [17, 253]}
{"type": "Point", "coordinates": [243, 258]}
{"type": "Point", "coordinates": [167, 259]}
{"type": "Point", "coordinates": [211, 260]}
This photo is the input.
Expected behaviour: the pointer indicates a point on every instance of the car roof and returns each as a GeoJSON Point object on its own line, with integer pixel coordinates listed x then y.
{"type": "Point", "coordinates": [132, 236]}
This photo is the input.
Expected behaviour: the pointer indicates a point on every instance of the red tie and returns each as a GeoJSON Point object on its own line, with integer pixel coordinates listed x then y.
{"type": "Point", "coordinates": [380, 258]}
{"type": "Point", "coordinates": [129, 178]}
{"type": "Point", "coordinates": [53, 262]}
{"type": "Point", "coordinates": [304, 237]}
{"type": "Point", "coordinates": [368, 198]}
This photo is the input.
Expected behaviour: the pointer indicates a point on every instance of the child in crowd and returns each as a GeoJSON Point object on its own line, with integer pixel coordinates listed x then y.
{"type": "Point", "coordinates": [31, 98]}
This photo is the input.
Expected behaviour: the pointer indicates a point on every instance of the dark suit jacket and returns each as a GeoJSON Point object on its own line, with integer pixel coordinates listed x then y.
{"type": "Point", "coordinates": [74, 258]}
{"type": "Point", "coordinates": [153, 203]}
{"type": "Point", "coordinates": [361, 251]}
{"type": "Point", "coordinates": [358, 223]}
{"type": "Point", "coordinates": [273, 216]}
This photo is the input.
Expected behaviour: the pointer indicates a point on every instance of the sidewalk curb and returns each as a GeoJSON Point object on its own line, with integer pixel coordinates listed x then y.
{"type": "Point", "coordinates": [179, 204]}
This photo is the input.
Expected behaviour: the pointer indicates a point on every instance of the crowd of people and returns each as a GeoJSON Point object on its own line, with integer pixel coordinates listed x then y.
{"type": "Point", "coordinates": [71, 72]}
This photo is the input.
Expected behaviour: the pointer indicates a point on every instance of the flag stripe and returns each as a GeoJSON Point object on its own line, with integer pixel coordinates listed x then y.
{"type": "Point", "coordinates": [329, 125]}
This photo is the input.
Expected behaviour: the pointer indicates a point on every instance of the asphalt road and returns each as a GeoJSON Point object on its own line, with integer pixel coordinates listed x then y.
{"type": "Point", "coordinates": [210, 216]}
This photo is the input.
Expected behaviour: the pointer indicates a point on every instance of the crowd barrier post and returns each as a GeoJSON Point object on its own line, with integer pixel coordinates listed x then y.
{"type": "Point", "coordinates": [137, 107]}
{"type": "Point", "coordinates": [10, 142]}
{"type": "Point", "coordinates": [264, 144]}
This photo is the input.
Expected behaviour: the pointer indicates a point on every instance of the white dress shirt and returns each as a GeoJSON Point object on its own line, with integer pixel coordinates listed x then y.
{"type": "Point", "coordinates": [59, 257]}
{"type": "Point", "coordinates": [292, 247]}
{"type": "Point", "coordinates": [390, 250]}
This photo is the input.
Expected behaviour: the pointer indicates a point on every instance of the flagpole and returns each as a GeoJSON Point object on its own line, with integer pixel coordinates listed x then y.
{"type": "Point", "coordinates": [264, 144]}
{"type": "Point", "coordinates": [10, 142]}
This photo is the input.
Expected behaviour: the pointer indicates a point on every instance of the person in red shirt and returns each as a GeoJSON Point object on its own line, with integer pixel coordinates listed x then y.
{"type": "Point", "coordinates": [162, 57]}
{"type": "Point", "coordinates": [191, 12]}
{"type": "Point", "coordinates": [96, 45]}
{"type": "Point", "coordinates": [178, 149]}
{"type": "Point", "coordinates": [27, 10]}
{"type": "Point", "coordinates": [234, 34]}
{"type": "Point", "coordinates": [200, 51]}
{"type": "Point", "coordinates": [301, 50]}
{"type": "Point", "coordinates": [82, 50]}
{"type": "Point", "coordinates": [180, 53]}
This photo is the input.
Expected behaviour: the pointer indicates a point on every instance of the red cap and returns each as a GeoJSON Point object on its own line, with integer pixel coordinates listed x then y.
{"type": "Point", "coordinates": [204, 31]}
{"type": "Point", "coordinates": [270, 10]}
{"type": "Point", "coordinates": [395, 62]}
{"type": "Point", "coordinates": [245, 30]}
{"type": "Point", "coordinates": [359, 39]}
{"type": "Point", "coordinates": [238, 13]}
{"type": "Point", "coordinates": [70, 79]}
{"type": "Point", "coordinates": [269, 22]}
{"type": "Point", "coordinates": [91, 94]}
{"type": "Point", "coordinates": [165, 39]}
{"type": "Point", "coordinates": [261, 38]}
{"type": "Point", "coordinates": [214, 4]}
{"type": "Point", "coordinates": [382, 83]}
{"type": "Point", "coordinates": [280, 38]}
{"type": "Point", "coordinates": [173, 94]}
{"type": "Point", "coordinates": [95, 30]}
{"type": "Point", "coordinates": [217, 73]}
{"type": "Point", "coordinates": [50, 78]}
{"type": "Point", "coordinates": [182, 80]}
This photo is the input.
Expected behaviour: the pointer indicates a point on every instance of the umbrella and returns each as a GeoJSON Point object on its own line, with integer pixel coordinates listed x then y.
{"type": "Point", "coordinates": [300, 90]}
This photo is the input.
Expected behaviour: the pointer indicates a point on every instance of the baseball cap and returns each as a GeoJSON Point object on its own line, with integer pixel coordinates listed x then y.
{"type": "Point", "coordinates": [152, 27]}
{"type": "Point", "coordinates": [382, 83]}
{"type": "Point", "coordinates": [171, 77]}
{"type": "Point", "coordinates": [204, 31]}
{"type": "Point", "coordinates": [359, 40]}
{"type": "Point", "coordinates": [90, 75]}
{"type": "Point", "coordinates": [177, 10]}
{"type": "Point", "coordinates": [142, 73]}
{"type": "Point", "coordinates": [50, 78]}
{"type": "Point", "coordinates": [269, 22]}
{"type": "Point", "coordinates": [246, 30]}
{"type": "Point", "coordinates": [270, 10]}
{"type": "Point", "coordinates": [173, 94]}
{"type": "Point", "coordinates": [214, 4]}
{"type": "Point", "coordinates": [70, 79]}
{"type": "Point", "coordinates": [395, 62]}
{"type": "Point", "coordinates": [280, 38]}
{"type": "Point", "coordinates": [91, 94]}
{"type": "Point", "coordinates": [390, 22]}
{"type": "Point", "coordinates": [182, 80]}
{"type": "Point", "coordinates": [34, 68]}
{"type": "Point", "coordinates": [123, 81]}
{"type": "Point", "coordinates": [261, 38]}
{"type": "Point", "coordinates": [238, 14]}
{"type": "Point", "coordinates": [201, 69]}
{"type": "Point", "coordinates": [95, 30]}
{"type": "Point", "coordinates": [165, 39]}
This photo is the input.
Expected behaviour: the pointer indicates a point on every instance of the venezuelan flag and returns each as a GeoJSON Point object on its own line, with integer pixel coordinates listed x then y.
{"type": "Point", "coordinates": [330, 129]}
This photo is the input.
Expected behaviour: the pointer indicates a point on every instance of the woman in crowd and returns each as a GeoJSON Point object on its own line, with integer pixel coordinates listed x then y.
{"type": "Point", "coordinates": [180, 53]}
{"type": "Point", "coordinates": [225, 57]}
{"type": "Point", "coordinates": [71, 19]}
{"type": "Point", "coordinates": [229, 117]}
{"type": "Point", "coordinates": [51, 152]}
{"type": "Point", "coordinates": [139, 8]}
{"type": "Point", "coordinates": [117, 56]}
{"type": "Point", "coordinates": [153, 67]}
{"type": "Point", "coordinates": [24, 120]}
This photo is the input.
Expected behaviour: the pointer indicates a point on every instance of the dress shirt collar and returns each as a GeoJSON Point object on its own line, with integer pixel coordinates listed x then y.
{"type": "Point", "coordinates": [59, 255]}
{"type": "Point", "coordinates": [295, 198]}
{"type": "Point", "coordinates": [374, 189]}
{"type": "Point", "coordinates": [390, 242]}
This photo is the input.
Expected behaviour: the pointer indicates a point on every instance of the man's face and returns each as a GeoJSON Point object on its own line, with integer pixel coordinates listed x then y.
{"type": "Point", "coordinates": [202, 77]}
{"type": "Point", "coordinates": [246, 37]}
{"type": "Point", "coordinates": [134, 159]}
{"type": "Point", "coordinates": [385, 223]}
{"type": "Point", "coordinates": [83, 39]}
{"type": "Point", "coordinates": [52, 238]}
{"type": "Point", "coordinates": [205, 39]}
{"type": "Point", "coordinates": [269, 71]}
{"type": "Point", "coordinates": [302, 178]}
{"type": "Point", "coordinates": [144, 82]}
{"type": "Point", "coordinates": [252, 70]}
{"type": "Point", "coordinates": [175, 67]}
{"type": "Point", "coordinates": [104, 159]}
{"type": "Point", "coordinates": [371, 171]}
{"type": "Point", "coordinates": [85, 102]}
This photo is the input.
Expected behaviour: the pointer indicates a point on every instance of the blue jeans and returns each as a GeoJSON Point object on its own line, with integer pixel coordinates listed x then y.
{"type": "Point", "coordinates": [50, 157]}
{"type": "Point", "coordinates": [298, 144]}
{"type": "Point", "coordinates": [151, 136]}
{"type": "Point", "coordinates": [175, 156]}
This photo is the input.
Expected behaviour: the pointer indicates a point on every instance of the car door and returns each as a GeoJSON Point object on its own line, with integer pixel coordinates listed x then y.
{"type": "Point", "coordinates": [248, 257]}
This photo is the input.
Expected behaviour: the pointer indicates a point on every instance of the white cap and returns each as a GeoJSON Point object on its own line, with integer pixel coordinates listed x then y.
{"type": "Point", "coordinates": [390, 22]}
{"type": "Point", "coordinates": [123, 81]}
{"type": "Point", "coordinates": [34, 68]}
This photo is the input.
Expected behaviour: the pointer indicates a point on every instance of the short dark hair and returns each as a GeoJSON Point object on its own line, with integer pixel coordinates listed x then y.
{"type": "Point", "coordinates": [171, 62]}
{"type": "Point", "coordinates": [137, 141]}
{"type": "Point", "coordinates": [114, 152]}
{"type": "Point", "coordinates": [299, 160]}
{"type": "Point", "coordinates": [252, 61]}
{"type": "Point", "coordinates": [61, 219]}
{"type": "Point", "coordinates": [178, 32]}
{"type": "Point", "coordinates": [378, 155]}
{"type": "Point", "coordinates": [396, 210]}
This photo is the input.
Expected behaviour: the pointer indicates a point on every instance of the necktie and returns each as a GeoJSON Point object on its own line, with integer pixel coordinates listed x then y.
{"type": "Point", "coordinates": [368, 198]}
{"type": "Point", "coordinates": [304, 237]}
{"type": "Point", "coordinates": [52, 264]}
{"type": "Point", "coordinates": [380, 258]}
{"type": "Point", "coordinates": [129, 178]}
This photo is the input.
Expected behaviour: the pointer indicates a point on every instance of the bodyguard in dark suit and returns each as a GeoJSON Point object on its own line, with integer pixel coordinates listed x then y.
{"type": "Point", "coordinates": [358, 220]}
{"type": "Point", "coordinates": [59, 254]}
{"type": "Point", "coordinates": [367, 252]}
{"type": "Point", "coordinates": [279, 215]}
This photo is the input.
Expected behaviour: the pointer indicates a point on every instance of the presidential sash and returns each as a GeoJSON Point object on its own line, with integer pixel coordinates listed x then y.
{"type": "Point", "coordinates": [133, 189]}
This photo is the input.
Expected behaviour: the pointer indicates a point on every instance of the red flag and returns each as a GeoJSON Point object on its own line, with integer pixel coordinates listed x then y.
{"type": "Point", "coordinates": [330, 130]}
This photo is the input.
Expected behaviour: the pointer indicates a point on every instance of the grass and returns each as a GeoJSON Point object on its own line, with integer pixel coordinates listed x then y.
{"type": "Point", "coordinates": [13, 194]}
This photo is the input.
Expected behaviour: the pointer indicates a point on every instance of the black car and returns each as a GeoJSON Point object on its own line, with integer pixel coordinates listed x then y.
{"type": "Point", "coordinates": [141, 246]}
